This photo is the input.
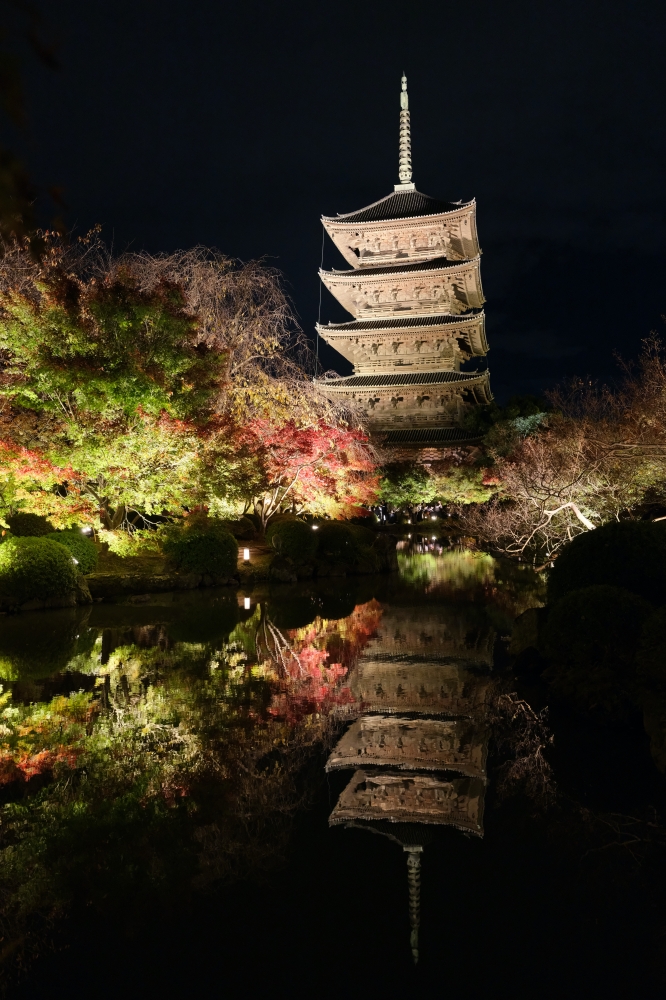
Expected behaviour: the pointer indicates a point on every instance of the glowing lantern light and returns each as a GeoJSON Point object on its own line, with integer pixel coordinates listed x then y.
{"type": "Point", "coordinates": [315, 527]}
{"type": "Point", "coordinates": [246, 603]}
{"type": "Point", "coordinates": [246, 555]}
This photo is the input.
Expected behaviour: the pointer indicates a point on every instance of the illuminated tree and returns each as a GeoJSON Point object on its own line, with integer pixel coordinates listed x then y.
{"type": "Point", "coordinates": [147, 384]}
{"type": "Point", "coordinates": [328, 469]}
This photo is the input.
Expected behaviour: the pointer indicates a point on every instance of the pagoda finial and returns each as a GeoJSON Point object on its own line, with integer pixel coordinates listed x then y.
{"type": "Point", "coordinates": [414, 852]}
{"type": "Point", "coordinates": [405, 163]}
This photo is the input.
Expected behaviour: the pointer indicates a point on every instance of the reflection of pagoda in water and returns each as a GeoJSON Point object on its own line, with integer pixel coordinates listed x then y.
{"type": "Point", "coordinates": [418, 742]}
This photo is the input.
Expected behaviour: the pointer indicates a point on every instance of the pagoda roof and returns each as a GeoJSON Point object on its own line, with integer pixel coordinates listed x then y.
{"type": "Point", "coordinates": [436, 264]}
{"type": "Point", "coordinates": [430, 435]}
{"type": "Point", "coordinates": [404, 797]}
{"type": "Point", "coordinates": [399, 205]}
{"type": "Point", "coordinates": [401, 323]}
{"type": "Point", "coordinates": [402, 378]}
{"type": "Point", "coordinates": [412, 743]}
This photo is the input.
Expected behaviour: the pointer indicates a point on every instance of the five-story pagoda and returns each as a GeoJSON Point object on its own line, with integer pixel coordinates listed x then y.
{"type": "Point", "coordinates": [415, 295]}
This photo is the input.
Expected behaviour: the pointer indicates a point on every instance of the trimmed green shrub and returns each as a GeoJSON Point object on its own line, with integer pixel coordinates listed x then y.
{"type": "Point", "coordinates": [34, 569]}
{"type": "Point", "coordinates": [81, 548]}
{"type": "Point", "coordinates": [627, 554]}
{"type": "Point", "coordinates": [363, 535]}
{"type": "Point", "coordinates": [651, 655]}
{"type": "Point", "coordinates": [336, 541]}
{"type": "Point", "coordinates": [590, 637]}
{"type": "Point", "coordinates": [293, 539]}
{"type": "Point", "coordinates": [256, 521]}
{"type": "Point", "coordinates": [369, 521]}
{"type": "Point", "coordinates": [29, 525]}
{"type": "Point", "coordinates": [243, 528]}
{"type": "Point", "coordinates": [202, 545]}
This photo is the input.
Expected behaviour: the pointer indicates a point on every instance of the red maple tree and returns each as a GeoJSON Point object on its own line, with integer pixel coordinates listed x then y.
{"type": "Point", "coordinates": [325, 468]}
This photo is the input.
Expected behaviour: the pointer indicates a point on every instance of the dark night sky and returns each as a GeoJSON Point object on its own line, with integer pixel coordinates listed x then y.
{"type": "Point", "coordinates": [238, 125]}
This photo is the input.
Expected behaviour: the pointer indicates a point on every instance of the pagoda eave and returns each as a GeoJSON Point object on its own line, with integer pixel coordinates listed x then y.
{"type": "Point", "coordinates": [415, 269]}
{"type": "Point", "coordinates": [410, 340]}
{"type": "Point", "coordinates": [416, 399]}
{"type": "Point", "coordinates": [385, 208]}
{"type": "Point", "coordinates": [403, 323]}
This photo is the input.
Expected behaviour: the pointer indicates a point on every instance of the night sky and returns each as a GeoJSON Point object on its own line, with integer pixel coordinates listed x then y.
{"type": "Point", "coordinates": [236, 125]}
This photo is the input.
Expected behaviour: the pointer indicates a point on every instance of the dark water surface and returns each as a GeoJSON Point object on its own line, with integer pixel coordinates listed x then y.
{"type": "Point", "coordinates": [170, 826]}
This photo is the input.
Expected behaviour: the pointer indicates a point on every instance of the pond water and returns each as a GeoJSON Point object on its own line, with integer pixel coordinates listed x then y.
{"type": "Point", "coordinates": [318, 788]}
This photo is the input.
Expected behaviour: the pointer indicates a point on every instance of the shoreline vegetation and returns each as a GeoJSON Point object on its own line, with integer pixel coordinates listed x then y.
{"type": "Point", "coordinates": [165, 406]}
{"type": "Point", "coordinates": [158, 417]}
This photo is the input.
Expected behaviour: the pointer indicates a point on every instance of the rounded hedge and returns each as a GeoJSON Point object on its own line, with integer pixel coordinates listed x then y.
{"type": "Point", "coordinates": [651, 655]}
{"type": "Point", "coordinates": [29, 525]}
{"type": "Point", "coordinates": [336, 541]}
{"type": "Point", "coordinates": [35, 569]}
{"type": "Point", "coordinates": [627, 554]}
{"type": "Point", "coordinates": [203, 545]}
{"type": "Point", "coordinates": [293, 539]}
{"type": "Point", "coordinates": [243, 528]}
{"type": "Point", "coordinates": [590, 637]}
{"type": "Point", "coordinates": [362, 534]}
{"type": "Point", "coordinates": [255, 520]}
{"type": "Point", "coordinates": [81, 548]}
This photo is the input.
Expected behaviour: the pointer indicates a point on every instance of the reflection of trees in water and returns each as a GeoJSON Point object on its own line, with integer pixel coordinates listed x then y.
{"type": "Point", "coordinates": [183, 766]}
{"type": "Point", "coordinates": [509, 586]}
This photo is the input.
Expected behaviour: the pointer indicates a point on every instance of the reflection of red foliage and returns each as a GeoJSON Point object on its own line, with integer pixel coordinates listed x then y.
{"type": "Point", "coordinates": [30, 765]}
{"type": "Point", "coordinates": [311, 685]}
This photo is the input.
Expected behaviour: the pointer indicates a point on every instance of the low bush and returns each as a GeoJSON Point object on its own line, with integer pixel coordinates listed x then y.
{"type": "Point", "coordinates": [202, 545]}
{"type": "Point", "coordinates": [651, 655]}
{"type": "Point", "coordinates": [362, 534]}
{"type": "Point", "coordinates": [243, 528]}
{"type": "Point", "coordinates": [34, 569]}
{"type": "Point", "coordinates": [81, 548]}
{"type": "Point", "coordinates": [293, 539]}
{"type": "Point", "coordinates": [24, 525]}
{"type": "Point", "coordinates": [627, 554]}
{"type": "Point", "coordinates": [337, 541]}
{"type": "Point", "coordinates": [590, 637]}
{"type": "Point", "coordinates": [256, 521]}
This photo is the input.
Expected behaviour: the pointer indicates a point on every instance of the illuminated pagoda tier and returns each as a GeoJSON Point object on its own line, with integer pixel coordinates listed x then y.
{"type": "Point", "coordinates": [418, 742]}
{"type": "Point", "coordinates": [409, 743]}
{"type": "Point", "coordinates": [415, 295]}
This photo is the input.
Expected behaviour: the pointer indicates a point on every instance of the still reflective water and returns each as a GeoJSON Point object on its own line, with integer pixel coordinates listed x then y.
{"type": "Point", "coordinates": [317, 787]}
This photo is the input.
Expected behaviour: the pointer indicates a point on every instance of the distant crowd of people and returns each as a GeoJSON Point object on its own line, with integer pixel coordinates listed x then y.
{"type": "Point", "coordinates": [421, 512]}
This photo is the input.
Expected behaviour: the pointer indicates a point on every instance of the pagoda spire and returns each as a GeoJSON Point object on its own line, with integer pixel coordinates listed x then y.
{"type": "Point", "coordinates": [405, 160]}
{"type": "Point", "coordinates": [414, 852]}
